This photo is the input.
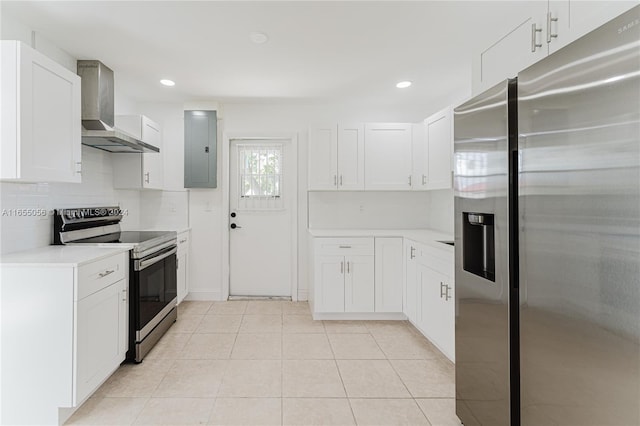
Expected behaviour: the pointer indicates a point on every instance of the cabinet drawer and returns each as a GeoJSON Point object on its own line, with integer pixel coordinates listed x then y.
{"type": "Point", "coordinates": [344, 246]}
{"type": "Point", "coordinates": [97, 275]}
{"type": "Point", "coordinates": [438, 260]}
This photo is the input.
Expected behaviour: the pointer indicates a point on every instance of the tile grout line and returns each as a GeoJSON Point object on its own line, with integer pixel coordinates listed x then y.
{"type": "Point", "coordinates": [335, 361]}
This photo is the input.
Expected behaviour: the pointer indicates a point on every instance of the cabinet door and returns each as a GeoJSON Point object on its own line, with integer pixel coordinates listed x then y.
{"type": "Point", "coordinates": [409, 292]}
{"type": "Point", "coordinates": [388, 156]}
{"type": "Point", "coordinates": [431, 290]}
{"type": "Point", "coordinates": [152, 163]}
{"type": "Point", "coordinates": [388, 274]}
{"type": "Point", "coordinates": [351, 157]}
{"type": "Point", "coordinates": [329, 283]}
{"type": "Point", "coordinates": [181, 266]}
{"type": "Point", "coordinates": [100, 337]}
{"type": "Point", "coordinates": [576, 18]}
{"type": "Point", "coordinates": [49, 117]}
{"type": "Point", "coordinates": [323, 157]}
{"type": "Point", "coordinates": [200, 149]}
{"type": "Point", "coordinates": [439, 133]}
{"type": "Point", "coordinates": [446, 323]}
{"type": "Point", "coordinates": [515, 49]}
{"type": "Point", "coordinates": [359, 284]}
{"type": "Point", "coordinates": [419, 157]}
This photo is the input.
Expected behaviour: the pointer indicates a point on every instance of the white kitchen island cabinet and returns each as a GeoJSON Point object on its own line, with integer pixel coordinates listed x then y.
{"type": "Point", "coordinates": [64, 329]}
{"type": "Point", "coordinates": [40, 115]}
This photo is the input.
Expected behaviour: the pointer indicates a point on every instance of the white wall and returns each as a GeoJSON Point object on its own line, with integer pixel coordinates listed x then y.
{"type": "Point", "coordinates": [441, 210]}
{"type": "Point", "coordinates": [369, 210]}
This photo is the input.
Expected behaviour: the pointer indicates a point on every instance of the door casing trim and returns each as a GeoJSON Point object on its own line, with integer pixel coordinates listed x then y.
{"type": "Point", "coordinates": [227, 137]}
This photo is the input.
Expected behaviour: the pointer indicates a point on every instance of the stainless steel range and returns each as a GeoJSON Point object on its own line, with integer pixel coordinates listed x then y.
{"type": "Point", "coordinates": [152, 276]}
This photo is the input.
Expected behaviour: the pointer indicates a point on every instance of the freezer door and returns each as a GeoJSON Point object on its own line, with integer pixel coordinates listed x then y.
{"type": "Point", "coordinates": [481, 245]}
{"type": "Point", "coordinates": [579, 143]}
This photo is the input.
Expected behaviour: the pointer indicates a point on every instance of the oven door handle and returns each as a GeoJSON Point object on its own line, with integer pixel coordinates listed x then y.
{"type": "Point", "coordinates": [141, 264]}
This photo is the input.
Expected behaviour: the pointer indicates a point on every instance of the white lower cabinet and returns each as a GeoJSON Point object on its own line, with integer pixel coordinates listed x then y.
{"type": "Point", "coordinates": [410, 281]}
{"type": "Point", "coordinates": [359, 292]}
{"type": "Point", "coordinates": [64, 331]}
{"type": "Point", "coordinates": [182, 265]}
{"type": "Point", "coordinates": [388, 274]}
{"type": "Point", "coordinates": [434, 313]}
{"type": "Point", "coordinates": [101, 336]}
{"type": "Point", "coordinates": [343, 275]}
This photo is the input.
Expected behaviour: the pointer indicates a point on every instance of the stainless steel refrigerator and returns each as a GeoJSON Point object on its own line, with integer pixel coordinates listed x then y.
{"type": "Point", "coordinates": [547, 230]}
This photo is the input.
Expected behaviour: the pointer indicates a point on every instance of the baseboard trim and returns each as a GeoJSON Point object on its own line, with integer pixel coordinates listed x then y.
{"type": "Point", "coordinates": [203, 295]}
{"type": "Point", "coordinates": [356, 316]}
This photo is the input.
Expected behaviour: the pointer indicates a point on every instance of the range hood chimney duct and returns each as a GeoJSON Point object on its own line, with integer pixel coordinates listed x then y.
{"type": "Point", "coordinates": [98, 112]}
{"type": "Point", "coordinates": [97, 95]}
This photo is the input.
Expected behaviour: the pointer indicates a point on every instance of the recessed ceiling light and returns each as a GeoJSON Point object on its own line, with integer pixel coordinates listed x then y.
{"type": "Point", "coordinates": [258, 37]}
{"type": "Point", "coordinates": [167, 82]}
{"type": "Point", "coordinates": [403, 84]}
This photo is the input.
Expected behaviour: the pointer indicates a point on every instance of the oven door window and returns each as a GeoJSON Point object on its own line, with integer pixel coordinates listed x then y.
{"type": "Point", "coordinates": [156, 288]}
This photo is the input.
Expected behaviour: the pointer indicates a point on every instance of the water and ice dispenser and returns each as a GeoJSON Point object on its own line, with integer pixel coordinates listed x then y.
{"type": "Point", "coordinates": [478, 245]}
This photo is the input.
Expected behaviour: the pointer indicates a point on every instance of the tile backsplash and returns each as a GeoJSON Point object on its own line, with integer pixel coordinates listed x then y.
{"type": "Point", "coordinates": [22, 232]}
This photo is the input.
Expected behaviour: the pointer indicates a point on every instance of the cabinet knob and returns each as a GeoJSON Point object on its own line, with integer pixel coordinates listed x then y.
{"type": "Point", "coordinates": [233, 214]}
{"type": "Point", "coordinates": [234, 226]}
{"type": "Point", "coordinates": [206, 149]}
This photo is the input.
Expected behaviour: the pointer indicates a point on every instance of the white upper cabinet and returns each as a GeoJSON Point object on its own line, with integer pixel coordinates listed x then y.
{"type": "Point", "coordinates": [419, 158]}
{"type": "Point", "coordinates": [336, 157]}
{"type": "Point", "coordinates": [571, 19]}
{"type": "Point", "coordinates": [351, 157]}
{"type": "Point", "coordinates": [521, 44]}
{"type": "Point", "coordinates": [139, 171]}
{"type": "Point", "coordinates": [40, 116]}
{"type": "Point", "coordinates": [323, 157]}
{"type": "Point", "coordinates": [388, 158]}
{"type": "Point", "coordinates": [438, 130]}
{"type": "Point", "coordinates": [536, 29]}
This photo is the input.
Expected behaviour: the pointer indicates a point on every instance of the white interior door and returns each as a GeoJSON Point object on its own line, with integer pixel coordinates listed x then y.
{"type": "Point", "coordinates": [261, 199]}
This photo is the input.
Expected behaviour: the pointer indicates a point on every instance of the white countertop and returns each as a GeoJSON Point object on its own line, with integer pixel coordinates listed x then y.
{"type": "Point", "coordinates": [424, 236]}
{"type": "Point", "coordinates": [178, 230]}
{"type": "Point", "coordinates": [59, 255]}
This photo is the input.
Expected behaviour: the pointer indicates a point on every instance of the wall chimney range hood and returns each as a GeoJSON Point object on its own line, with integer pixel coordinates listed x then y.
{"type": "Point", "coordinates": [98, 112]}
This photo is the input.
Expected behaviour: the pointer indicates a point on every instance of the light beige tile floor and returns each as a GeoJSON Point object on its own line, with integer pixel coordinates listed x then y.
{"type": "Point", "coordinates": [269, 363]}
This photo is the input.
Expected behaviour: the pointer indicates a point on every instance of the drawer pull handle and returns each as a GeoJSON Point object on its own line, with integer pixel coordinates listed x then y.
{"type": "Point", "coordinates": [345, 246]}
{"type": "Point", "coordinates": [105, 273]}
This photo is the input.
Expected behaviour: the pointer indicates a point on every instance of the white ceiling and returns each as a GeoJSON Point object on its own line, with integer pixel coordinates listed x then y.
{"type": "Point", "coordinates": [352, 52]}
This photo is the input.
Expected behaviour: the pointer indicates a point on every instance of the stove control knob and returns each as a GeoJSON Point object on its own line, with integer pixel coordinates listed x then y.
{"type": "Point", "coordinates": [71, 214]}
{"type": "Point", "coordinates": [81, 213]}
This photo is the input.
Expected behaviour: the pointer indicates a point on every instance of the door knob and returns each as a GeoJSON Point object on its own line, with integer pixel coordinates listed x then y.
{"type": "Point", "coordinates": [233, 214]}
{"type": "Point", "coordinates": [234, 226]}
